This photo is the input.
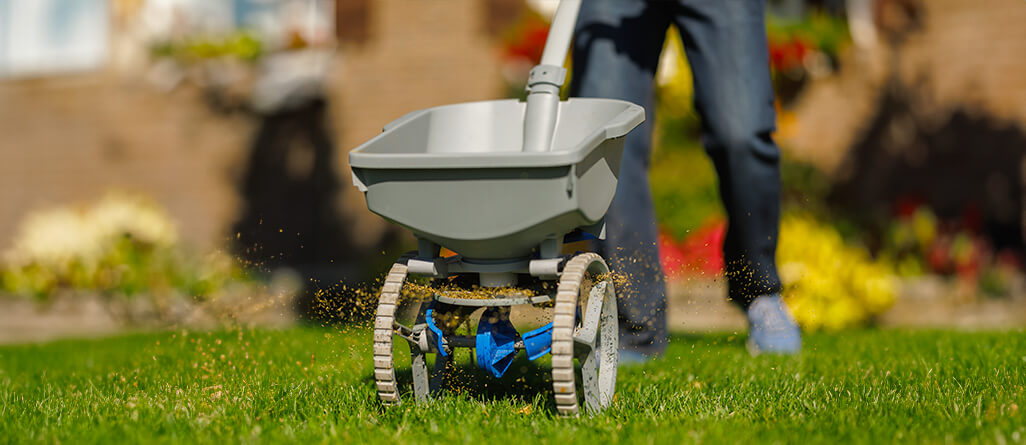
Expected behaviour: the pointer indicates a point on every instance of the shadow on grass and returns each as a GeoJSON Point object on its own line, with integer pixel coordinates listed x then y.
{"type": "Point", "coordinates": [530, 382]}
{"type": "Point", "coordinates": [524, 382]}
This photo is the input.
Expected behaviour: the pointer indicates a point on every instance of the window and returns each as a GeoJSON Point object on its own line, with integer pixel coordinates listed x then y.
{"type": "Point", "coordinates": [41, 37]}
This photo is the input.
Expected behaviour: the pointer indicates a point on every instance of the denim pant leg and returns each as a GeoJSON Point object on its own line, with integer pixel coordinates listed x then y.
{"type": "Point", "coordinates": [726, 46]}
{"type": "Point", "coordinates": [615, 55]}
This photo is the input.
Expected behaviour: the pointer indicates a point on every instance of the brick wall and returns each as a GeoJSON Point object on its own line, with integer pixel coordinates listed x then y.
{"type": "Point", "coordinates": [71, 138]}
{"type": "Point", "coordinates": [936, 115]}
{"type": "Point", "coordinates": [969, 55]}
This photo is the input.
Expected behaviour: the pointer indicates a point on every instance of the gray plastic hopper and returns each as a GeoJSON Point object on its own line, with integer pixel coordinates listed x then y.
{"type": "Point", "coordinates": [457, 175]}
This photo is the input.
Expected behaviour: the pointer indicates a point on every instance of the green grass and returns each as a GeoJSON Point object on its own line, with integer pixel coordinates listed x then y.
{"type": "Point", "coordinates": [311, 384]}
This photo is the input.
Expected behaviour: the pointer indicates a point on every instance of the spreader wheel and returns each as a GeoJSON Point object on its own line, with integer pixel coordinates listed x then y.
{"type": "Point", "coordinates": [403, 318]}
{"type": "Point", "coordinates": [384, 363]}
{"type": "Point", "coordinates": [584, 327]}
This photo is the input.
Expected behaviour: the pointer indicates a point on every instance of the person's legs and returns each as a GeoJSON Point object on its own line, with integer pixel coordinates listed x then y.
{"type": "Point", "coordinates": [616, 51]}
{"type": "Point", "coordinates": [726, 46]}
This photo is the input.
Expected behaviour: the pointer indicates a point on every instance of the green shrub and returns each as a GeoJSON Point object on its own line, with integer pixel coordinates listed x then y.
{"type": "Point", "coordinates": [122, 245]}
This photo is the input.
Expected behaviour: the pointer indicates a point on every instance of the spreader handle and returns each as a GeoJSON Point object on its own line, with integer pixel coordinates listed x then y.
{"type": "Point", "coordinates": [561, 32]}
{"type": "Point", "coordinates": [542, 110]}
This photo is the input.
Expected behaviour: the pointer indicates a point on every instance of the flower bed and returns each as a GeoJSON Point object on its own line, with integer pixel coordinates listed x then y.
{"type": "Point", "coordinates": [124, 250]}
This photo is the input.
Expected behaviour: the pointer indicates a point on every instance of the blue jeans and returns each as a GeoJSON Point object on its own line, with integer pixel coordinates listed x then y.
{"type": "Point", "coordinates": [615, 53]}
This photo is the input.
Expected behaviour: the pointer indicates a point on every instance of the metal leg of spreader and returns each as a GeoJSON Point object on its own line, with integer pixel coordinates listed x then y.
{"type": "Point", "coordinates": [418, 360]}
{"type": "Point", "coordinates": [421, 379]}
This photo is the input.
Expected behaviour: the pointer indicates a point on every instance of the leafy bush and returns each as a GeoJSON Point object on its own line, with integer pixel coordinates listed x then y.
{"type": "Point", "coordinates": [123, 245]}
{"type": "Point", "coordinates": [791, 41]}
{"type": "Point", "coordinates": [918, 242]}
{"type": "Point", "coordinates": [803, 49]}
{"type": "Point", "coordinates": [241, 45]}
{"type": "Point", "coordinates": [684, 190]}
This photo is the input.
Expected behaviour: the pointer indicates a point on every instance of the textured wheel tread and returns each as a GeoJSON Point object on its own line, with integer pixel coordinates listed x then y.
{"type": "Point", "coordinates": [384, 372]}
{"type": "Point", "coordinates": [563, 324]}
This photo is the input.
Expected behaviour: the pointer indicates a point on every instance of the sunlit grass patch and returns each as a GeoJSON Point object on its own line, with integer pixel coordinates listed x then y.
{"type": "Point", "coordinates": [315, 384]}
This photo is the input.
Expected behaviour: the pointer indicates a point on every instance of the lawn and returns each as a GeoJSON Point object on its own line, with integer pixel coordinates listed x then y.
{"type": "Point", "coordinates": [314, 384]}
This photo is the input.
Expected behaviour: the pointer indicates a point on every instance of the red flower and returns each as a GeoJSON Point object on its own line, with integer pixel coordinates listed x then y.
{"type": "Point", "coordinates": [906, 206]}
{"type": "Point", "coordinates": [787, 53]}
{"type": "Point", "coordinates": [671, 257]}
{"type": "Point", "coordinates": [701, 253]}
{"type": "Point", "coordinates": [529, 43]}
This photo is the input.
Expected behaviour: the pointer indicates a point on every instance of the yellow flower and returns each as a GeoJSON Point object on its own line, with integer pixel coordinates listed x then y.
{"type": "Point", "coordinates": [676, 86]}
{"type": "Point", "coordinates": [57, 236]}
{"type": "Point", "coordinates": [119, 214]}
{"type": "Point", "coordinates": [54, 237]}
{"type": "Point", "coordinates": [829, 284]}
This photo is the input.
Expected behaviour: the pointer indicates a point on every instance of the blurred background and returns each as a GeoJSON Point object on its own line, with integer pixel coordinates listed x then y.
{"type": "Point", "coordinates": [183, 162]}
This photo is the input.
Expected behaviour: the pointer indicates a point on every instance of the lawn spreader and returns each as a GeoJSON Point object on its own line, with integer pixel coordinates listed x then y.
{"type": "Point", "coordinates": [504, 184]}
